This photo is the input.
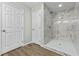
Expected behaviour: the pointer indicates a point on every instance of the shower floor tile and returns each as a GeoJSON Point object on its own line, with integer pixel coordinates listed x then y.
{"type": "Point", "coordinates": [65, 46]}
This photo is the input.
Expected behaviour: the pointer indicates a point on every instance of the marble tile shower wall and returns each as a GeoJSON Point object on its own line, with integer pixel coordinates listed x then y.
{"type": "Point", "coordinates": [47, 25]}
{"type": "Point", "coordinates": [65, 25]}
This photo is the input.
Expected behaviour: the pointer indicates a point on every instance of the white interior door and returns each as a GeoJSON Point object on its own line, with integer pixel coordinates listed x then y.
{"type": "Point", "coordinates": [12, 27]}
{"type": "Point", "coordinates": [36, 25]}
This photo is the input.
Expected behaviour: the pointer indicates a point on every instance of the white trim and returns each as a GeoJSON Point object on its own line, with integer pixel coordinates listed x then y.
{"type": "Point", "coordinates": [42, 45]}
{"type": "Point", "coordinates": [50, 49]}
{"type": "Point", "coordinates": [59, 52]}
{"type": "Point", "coordinates": [27, 43]}
{"type": "Point", "coordinates": [8, 50]}
{"type": "Point", "coordinates": [15, 48]}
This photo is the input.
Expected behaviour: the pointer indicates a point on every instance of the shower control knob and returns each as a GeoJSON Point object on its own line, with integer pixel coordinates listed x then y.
{"type": "Point", "coordinates": [3, 30]}
{"type": "Point", "coordinates": [49, 27]}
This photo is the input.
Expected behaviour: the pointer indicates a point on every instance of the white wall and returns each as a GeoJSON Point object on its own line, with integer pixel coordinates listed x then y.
{"type": "Point", "coordinates": [27, 26]}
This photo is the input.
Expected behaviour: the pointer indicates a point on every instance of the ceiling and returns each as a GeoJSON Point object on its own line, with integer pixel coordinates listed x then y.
{"type": "Point", "coordinates": [54, 6]}
{"type": "Point", "coordinates": [32, 4]}
{"type": "Point", "coordinates": [25, 4]}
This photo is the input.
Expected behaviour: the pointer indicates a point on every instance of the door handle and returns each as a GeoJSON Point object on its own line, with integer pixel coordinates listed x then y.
{"type": "Point", "coordinates": [3, 30]}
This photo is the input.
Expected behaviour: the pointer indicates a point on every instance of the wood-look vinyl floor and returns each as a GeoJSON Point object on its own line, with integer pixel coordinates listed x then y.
{"type": "Point", "coordinates": [31, 50]}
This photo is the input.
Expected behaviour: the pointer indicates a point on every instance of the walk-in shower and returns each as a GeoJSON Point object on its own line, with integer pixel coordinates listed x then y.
{"type": "Point", "coordinates": [61, 26]}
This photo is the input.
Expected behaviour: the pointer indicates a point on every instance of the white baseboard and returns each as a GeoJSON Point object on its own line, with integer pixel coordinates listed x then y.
{"type": "Point", "coordinates": [59, 52]}
{"type": "Point", "coordinates": [27, 43]}
{"type": "Point", "coordinates": [37, 42]}
{"type": "Point", "coordinates": [54, 50]}
{"type": "Point", "coordinates": [42, 45]}
{"type": "Point", "coordinates": [11, 48]}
